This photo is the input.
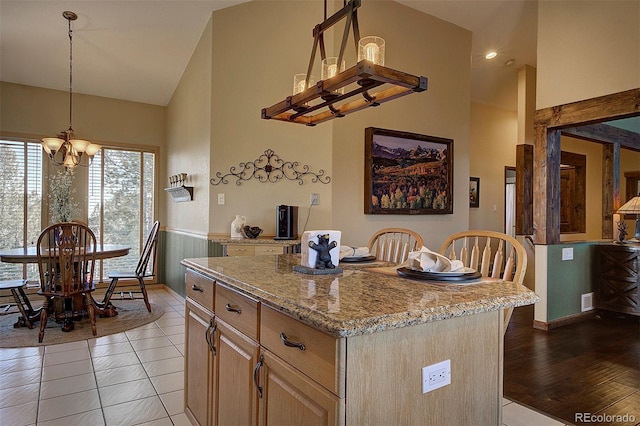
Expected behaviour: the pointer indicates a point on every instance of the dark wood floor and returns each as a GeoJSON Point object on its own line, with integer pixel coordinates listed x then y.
{"type": "Point", "coordinates": [588, 367]}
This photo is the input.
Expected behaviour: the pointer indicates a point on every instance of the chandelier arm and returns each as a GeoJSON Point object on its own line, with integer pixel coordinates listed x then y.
{"type": "Point", "coordinates": [345, 35]}
{"type": "Point", "coordinates": [356, 29]}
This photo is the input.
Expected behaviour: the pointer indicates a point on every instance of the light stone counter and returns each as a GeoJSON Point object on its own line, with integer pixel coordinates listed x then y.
{"type": "Point", "coordinates": [357, 301]}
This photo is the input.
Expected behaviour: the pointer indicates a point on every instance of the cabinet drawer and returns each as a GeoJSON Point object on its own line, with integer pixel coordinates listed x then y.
{"type": "Point", "coordinates": [200, 288]}
{"type": "Point", "coordinates": [240, 250]}
{"type": "Point", "coordinates": [237, 310]}
{"type": "Point", "coordinates": [266, 249]}
{"type": "Point", "coordinates": [322, 354]}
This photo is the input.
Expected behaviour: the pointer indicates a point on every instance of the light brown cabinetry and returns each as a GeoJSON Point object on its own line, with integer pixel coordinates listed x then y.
{"type": "Point", "coordinates": [262, 366]}
{"type": "Point", "coordinates": [291, 398]}
{"type": "Point", "coordinates": [199, 348]}
{"type": "Point", "coordinates": [236, 358]}
{"type": "Point", "coordinates": [253, 250]}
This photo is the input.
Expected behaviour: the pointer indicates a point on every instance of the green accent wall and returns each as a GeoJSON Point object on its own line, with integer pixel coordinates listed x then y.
{"type": "Point", "coordinates": [567, 280]}
{"type": "Point", "coordinates": [172, 248]}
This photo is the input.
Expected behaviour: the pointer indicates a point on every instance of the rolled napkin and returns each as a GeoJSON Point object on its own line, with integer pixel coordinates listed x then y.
{"type": "Point", "coordinates": [430, 261]}
{"type": "Point", "coordinates": [347, 251]}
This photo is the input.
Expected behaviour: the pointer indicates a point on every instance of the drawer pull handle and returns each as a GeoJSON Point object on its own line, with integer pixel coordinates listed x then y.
{"type": "Point", "coordinates": [209, 335]}
{"type": "Point", "coordinates": [231, 308]}
{"type": "Point", "coordinates": [291, 344]}
{"type": "Point", "coordinates": [196, 288]}
{"type": "Point", "coordinates": [255, 376]}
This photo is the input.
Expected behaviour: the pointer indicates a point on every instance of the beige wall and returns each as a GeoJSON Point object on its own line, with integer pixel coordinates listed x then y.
{"type": "Point", "coordinates": [188, 141]}
{"type": "Point", "coordinates": [34, 112]}
{"type": "Point", "coordinates": [257, 48]}
{"type": "Point", "coordinates": [421, 45]}
{"type": "Point", "coordinates": [586, 49]}
{"type": "Point", "coordinates": [493, 146]}
{"type": "Point", "coordinates": [593, 152]}
{"type": "Point", "coordinates": [37, 112]}
{"type": "Point", "coordinates": [253, 60]}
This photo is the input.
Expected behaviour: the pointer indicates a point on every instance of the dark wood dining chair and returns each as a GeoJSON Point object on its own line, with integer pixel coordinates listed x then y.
{"type": "Point", "coordinates": [66, 262]}
{"type": "Point", "coordinates": [144, 269]}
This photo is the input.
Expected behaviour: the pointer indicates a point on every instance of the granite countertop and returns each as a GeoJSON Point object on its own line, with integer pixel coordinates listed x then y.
{"type": "Point", "coordinates": [359, 300]}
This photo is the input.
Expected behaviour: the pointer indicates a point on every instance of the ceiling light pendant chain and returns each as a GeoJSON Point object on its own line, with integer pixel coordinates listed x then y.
{"type": "Point", "coordinates": [313, 103]}
{"type": "Point", "coordinates": [65, 150]}
{"type": "Point", "coordinates": [70, 18]}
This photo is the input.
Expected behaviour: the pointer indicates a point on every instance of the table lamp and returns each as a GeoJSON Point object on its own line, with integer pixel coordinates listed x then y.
{"type": "Point", "coordinates": [632, 207]}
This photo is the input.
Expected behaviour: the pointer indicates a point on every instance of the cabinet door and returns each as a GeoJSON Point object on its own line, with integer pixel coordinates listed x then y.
{"type": "Point", "coordinates": [198, 387]}
{"type": "Point", "coordinates": [236, 358]}
{"type": "Point", "coordinates": [291, 398]}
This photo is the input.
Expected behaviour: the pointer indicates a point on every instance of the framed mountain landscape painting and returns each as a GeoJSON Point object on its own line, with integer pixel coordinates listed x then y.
{"type": "Point", "coordinates": [407, 173]}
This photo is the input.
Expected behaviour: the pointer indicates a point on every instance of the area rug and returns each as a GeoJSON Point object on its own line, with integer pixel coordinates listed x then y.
{"type": "Point", "coordinates": [131, 314]}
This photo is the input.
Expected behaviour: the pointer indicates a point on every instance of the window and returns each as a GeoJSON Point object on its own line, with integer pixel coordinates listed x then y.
{"type": "Point", "coordinates": [20, 202]}
{"type": "Point", "coordinates": [121, 189]}
{"type": "Point", "coordinates": [121, 199]}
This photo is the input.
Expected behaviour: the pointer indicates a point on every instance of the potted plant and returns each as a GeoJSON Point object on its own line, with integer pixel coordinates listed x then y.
{"type": "Point", "coordinates": [62, 207]}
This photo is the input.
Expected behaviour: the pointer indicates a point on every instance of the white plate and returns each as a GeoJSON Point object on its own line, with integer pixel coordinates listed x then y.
{"type": "Point", "coordinates": [458, 273]}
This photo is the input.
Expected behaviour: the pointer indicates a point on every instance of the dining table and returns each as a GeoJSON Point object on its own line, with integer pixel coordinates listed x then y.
{"type": "Point", "coordinates": [27, 255]}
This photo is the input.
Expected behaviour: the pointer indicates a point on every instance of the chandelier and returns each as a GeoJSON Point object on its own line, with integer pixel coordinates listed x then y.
{"type": "Point", "coordinates": [342, 91]}
{"type": "Point", "coordinates": [65, 150]}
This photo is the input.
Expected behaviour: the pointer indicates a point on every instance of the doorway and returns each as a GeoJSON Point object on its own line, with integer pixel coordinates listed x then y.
{"type": "Point", "coordinates": [510, 200]}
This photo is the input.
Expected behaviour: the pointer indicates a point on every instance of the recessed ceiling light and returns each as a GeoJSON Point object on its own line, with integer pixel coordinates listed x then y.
{"type": "Point", "coordinates": [510, 62]}
{"type": "Point", "coordinates": [491, 55]}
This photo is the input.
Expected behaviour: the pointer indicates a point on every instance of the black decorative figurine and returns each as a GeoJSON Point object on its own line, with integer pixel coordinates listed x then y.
{"type": "Point", "coordinates": [622, 231]}
{"type": "Point", "coordinates": [323, 248]}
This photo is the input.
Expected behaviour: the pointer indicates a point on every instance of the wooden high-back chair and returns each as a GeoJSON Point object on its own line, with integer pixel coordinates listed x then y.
{"type": "Point", "coordinates": [394, 244]}
{"type": "Point", "coordinates": [66, 260]}
{"type": "Point", "coordinates": [493, 254]}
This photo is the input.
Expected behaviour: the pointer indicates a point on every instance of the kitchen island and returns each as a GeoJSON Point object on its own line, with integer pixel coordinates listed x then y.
{"type": "Point", "coordinates": [266, 345]}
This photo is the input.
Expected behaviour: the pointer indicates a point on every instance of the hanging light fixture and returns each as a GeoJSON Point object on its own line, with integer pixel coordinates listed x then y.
{"type": "Point", "coordinates": [65, 150]}
{"type": "Point", "coordinates": [341, 91]}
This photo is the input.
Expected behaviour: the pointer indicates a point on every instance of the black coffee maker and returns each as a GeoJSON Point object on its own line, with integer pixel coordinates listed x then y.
{"type": "Point", "coordinates": [286, 222]}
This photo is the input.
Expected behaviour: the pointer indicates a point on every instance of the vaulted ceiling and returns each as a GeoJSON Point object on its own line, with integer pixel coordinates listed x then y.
{"type": "Point", "coordinates": [138, 50]}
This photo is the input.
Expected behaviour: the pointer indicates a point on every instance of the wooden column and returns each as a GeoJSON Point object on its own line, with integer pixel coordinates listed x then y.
{"type": "Point", "coordinates": [524, 189]}
{"type": "Point", "coordinates": [610, 187]}
{"type": "Point", "coordinates": [546, 196]}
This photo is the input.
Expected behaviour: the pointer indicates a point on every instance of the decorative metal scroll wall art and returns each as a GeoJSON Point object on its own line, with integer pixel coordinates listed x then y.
{"type": "Point", "coordinates": [270, 168]}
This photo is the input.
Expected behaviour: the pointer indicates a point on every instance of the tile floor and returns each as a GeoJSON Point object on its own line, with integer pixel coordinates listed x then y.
{"type": "Point", "coordinates": [130, 378]}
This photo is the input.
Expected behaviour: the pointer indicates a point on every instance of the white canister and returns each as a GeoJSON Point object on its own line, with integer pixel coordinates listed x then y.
{"type": "Point", "coordinates": [237, 225]}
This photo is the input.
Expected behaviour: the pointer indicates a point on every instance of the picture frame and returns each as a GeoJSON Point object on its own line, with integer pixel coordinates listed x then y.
{"type": "Point", "coordinates": [474, 192]}
{"type": "Point", "coordinates": [407, 173]}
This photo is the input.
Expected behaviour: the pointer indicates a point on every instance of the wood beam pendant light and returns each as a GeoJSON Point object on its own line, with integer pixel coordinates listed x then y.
{"type": "Point", "coordinates": [341, 91]}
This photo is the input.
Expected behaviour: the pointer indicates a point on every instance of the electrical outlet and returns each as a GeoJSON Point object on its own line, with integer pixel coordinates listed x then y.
{"type": "Point", "coordinates": [436, 376]}
{"type": "Point", "coordinates": [315, 199]}
{"type": "Point", "coordinates": [567, 253]}
{"type": "Point", "coordinates": [220, 199]}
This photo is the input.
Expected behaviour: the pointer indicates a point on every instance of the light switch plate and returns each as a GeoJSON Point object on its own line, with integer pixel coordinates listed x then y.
{"type": "Point", "coordinates": [567, 253]}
